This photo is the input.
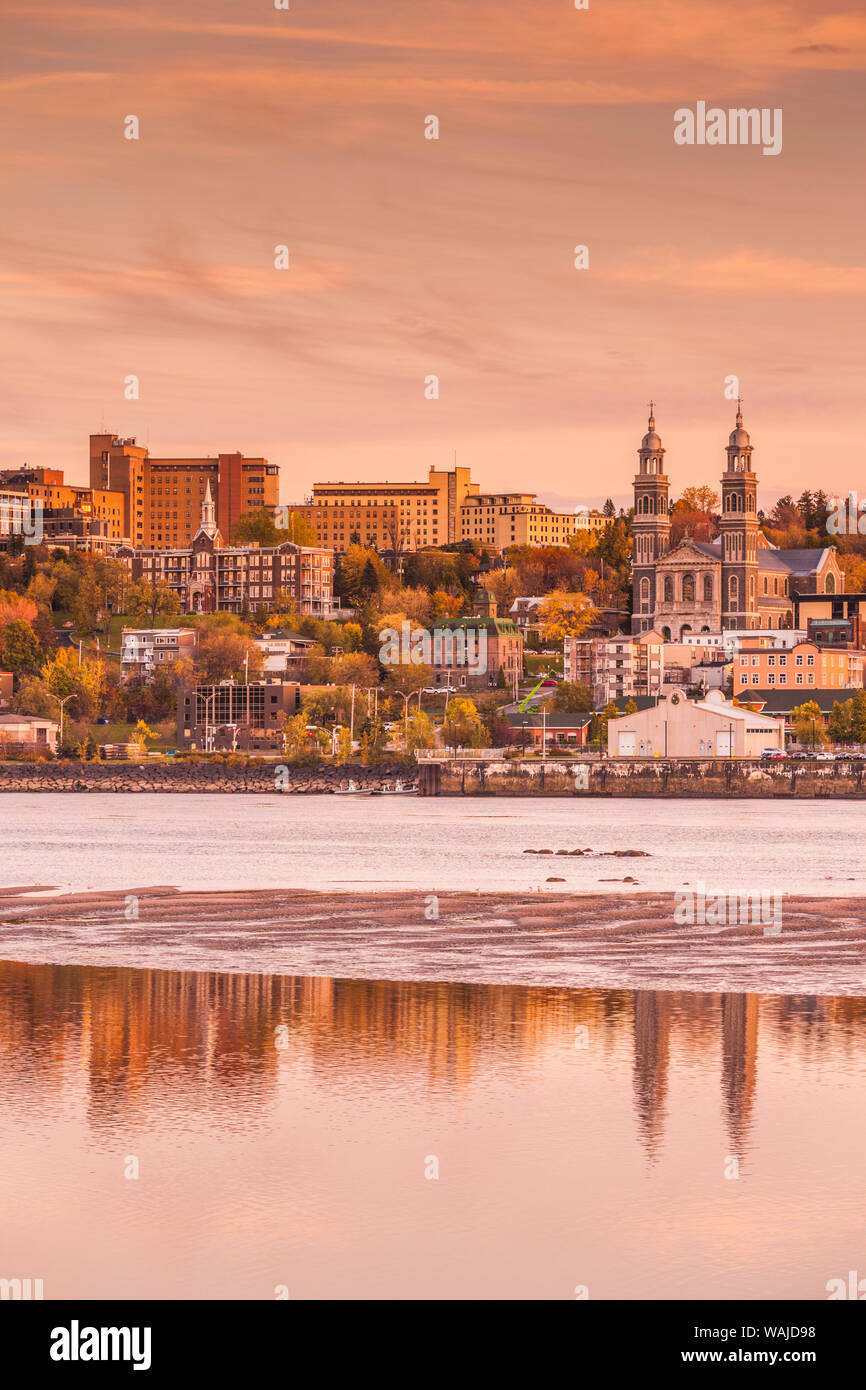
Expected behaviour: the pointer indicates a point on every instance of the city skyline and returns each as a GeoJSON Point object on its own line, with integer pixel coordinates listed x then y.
{"type": "Point", "coordinates": [412, 257]}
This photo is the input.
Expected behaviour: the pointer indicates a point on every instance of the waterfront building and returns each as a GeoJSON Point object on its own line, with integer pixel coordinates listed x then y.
{"type": "Point", "coordinates": [28, 731]}
{"type": "Point", "coordinates": [678, 727]}
{"type": "Point", "coordinates": [248, 715]}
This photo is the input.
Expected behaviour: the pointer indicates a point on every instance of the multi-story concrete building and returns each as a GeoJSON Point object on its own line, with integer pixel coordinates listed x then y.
{"type": "Point", "coordinates": [834, 619]}
{"type": "Point", "coordinates": [210, 577]}
{"type": "Point", "coordinates": [71, 515]}
{"type": "Point", "coordinates": [389, 516]}
{"type": "Point", "coordinates": [143, 649]}
{"type": "Point", "coordinates": [229, 714]}
{"type": "Point", "coordinates": [162, 497]}
{"type": "Point", "coordinates": [617, 667]}
{"type": "Point", "coordinates": [806, 665]}
{"type": "Point", "coordinates": [501, 519]}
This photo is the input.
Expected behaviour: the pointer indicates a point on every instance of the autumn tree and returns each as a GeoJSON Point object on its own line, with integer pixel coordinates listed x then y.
{"type": "Point", "coordinates": [563, 614]}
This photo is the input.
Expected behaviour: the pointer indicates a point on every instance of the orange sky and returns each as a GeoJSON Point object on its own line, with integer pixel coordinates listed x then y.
{"type": "Point", "coordinates": [411, 257]}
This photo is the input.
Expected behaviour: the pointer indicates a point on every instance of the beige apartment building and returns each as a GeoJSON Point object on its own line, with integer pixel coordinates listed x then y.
{"type": "Point", "coordinates": [806, 664]}
{"type": "Point", "coordinates": [618, 667]}
{"type": "Point", "coordinates": [389, 516]}
{"type": "Point", "coordinates": [501, 519]}
{"type": "Point", "coordinates": [161, 498]}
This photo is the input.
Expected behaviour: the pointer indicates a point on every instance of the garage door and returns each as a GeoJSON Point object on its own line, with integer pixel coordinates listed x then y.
{"type": "Point", "coordinates": [626, 745]}
{"type": "Point", "coordinates": [723, 743]}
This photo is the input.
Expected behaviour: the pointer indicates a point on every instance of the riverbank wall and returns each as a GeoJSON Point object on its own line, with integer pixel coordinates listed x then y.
{"type": "Point", "coordinates": [666, 777]}
{"type": "Point", "coordinates": [701, 777]}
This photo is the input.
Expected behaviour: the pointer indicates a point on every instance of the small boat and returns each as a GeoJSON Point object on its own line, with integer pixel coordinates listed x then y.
{"type": "Point", "coordinates": [397, 790]}
{"type": "Point", "coordinates": [353, 790]}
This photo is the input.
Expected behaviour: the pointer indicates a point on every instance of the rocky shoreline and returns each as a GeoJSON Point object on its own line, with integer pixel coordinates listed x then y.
{"type": "Point", "coordinates": [256, 777]}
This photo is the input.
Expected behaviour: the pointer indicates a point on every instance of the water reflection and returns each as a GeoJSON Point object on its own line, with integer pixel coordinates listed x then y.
{"type": "Point", "coordinates": [214, 1045]}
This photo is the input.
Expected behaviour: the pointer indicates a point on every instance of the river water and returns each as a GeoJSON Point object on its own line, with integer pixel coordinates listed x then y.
{"type": "Point", "coordinates": [340, 843]}
{"type": "Point", "coordinates": [190, 1135]}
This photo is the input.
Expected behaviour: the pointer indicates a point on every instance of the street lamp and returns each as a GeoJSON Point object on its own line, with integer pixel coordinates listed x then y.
{"type": "Point", "coordinates": [61, 703]}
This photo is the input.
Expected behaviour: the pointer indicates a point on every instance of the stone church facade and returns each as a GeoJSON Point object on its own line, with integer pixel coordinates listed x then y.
{"type": "Point", "coordinates": [739, 580]}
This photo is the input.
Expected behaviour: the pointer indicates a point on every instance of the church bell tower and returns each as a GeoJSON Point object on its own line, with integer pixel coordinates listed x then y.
{"type": "Point", "coordinates": [739, 532]}
{"type": "Point", "coordinates": [651, 525]}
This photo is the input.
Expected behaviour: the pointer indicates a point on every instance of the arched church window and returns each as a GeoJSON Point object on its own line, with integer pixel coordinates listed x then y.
{"type": "Point", "coordinates": [688, 588]}
{"type": "Point", "coordinates": [733, 593]}
{"type": "Point", "coordinates": [669, 589]}
{"type": "Point", "coordinates": [830, 584]}
{"type": "Point", "coordinates": [708, 591]}
{"type": "Point", "coordinates": [644, 595]}
{"type": "Point", "coordinates": [666, 633]}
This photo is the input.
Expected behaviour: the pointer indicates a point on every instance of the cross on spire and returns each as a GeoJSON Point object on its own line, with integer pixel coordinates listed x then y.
{"type": "Point", "coordinates": [652, 406]}
{"type": "Point", "coordinates": [739, 410]}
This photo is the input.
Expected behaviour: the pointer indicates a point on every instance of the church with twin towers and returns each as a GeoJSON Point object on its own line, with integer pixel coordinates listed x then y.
{"type": "Point", "coordinates": [740, 580]}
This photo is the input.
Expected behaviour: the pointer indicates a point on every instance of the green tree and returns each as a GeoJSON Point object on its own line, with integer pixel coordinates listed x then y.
{"type": "Point", "coordinates": [572, 697]}
{"type": "Point", "coordinates": [145, 602]}
{"type": "Point", "coordinates": [808, 723]}
{"type": "Point", "coordinates": [463, 727]}
{"type": "Point", "coordinates": [19, 648]}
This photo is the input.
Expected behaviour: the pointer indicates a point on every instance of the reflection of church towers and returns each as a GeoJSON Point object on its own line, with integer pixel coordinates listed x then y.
{"type": "Point", "coordinates": [739, 1063]}
{"type": "Point", "coordinates": [651, 1058]}
{"type": "Point", "coordinates": [739, 532]}
{"type": "Point", "coordinates": [651, 525]}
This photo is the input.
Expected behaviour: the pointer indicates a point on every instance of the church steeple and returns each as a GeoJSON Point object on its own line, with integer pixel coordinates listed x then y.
{"type": "Point", "coordinates": [651, 525]}
{"type": "Point", "coordinates": [208, 513]}
{"type": "Point", "coordinates": [208, 527]}
{"type": "Point", "coordinates": [738, 526]}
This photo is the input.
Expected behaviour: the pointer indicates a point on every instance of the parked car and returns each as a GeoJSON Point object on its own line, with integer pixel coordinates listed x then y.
{"type": "Point", "coordinates": [102, 720]}
{"type": "Point", "coordinates": [825, 757]}
{"type": "Point", "coordinates": [772, 753]}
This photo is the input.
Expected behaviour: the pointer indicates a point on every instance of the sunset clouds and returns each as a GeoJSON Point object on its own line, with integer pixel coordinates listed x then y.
{"type": "Point", "coordinates": [408, 257]}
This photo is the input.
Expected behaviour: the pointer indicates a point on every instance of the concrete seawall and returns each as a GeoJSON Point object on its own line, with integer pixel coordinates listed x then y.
{"type": "Point", "coordinates": [459, 777]}
{"type": "Point", "coordinates": [643, 777]}
{"type": "Point", "coordinates": [259, 778]}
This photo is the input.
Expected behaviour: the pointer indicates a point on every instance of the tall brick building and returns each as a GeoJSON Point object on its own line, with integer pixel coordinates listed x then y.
{"type": "Point", "coordinates": [162, 497]}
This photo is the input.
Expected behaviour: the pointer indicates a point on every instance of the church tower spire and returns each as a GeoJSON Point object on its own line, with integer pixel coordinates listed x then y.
{"type": "Point", "coordinates": [739, 531]}
{"type": "Point", "coordinates": [651, 525]}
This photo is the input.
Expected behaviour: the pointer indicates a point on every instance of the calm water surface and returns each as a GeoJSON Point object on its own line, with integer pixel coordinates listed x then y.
{"type": "Point", "coordinates": [582, 1138]}
{"type": "Point", "coordinates": [325, 842]}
